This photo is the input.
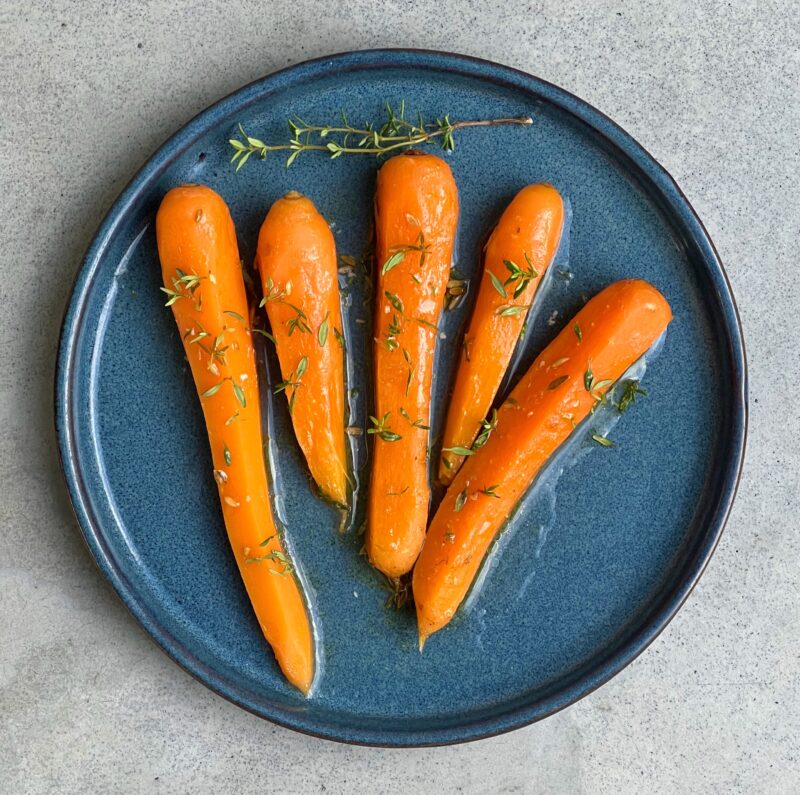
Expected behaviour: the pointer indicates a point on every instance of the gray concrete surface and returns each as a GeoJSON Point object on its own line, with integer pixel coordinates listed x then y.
{"type": "Point", "coordinates": [89, 89]}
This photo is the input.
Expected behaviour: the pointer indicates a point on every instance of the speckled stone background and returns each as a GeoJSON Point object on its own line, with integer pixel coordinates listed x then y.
{"type": "Point", "coordinates": [89, 89]}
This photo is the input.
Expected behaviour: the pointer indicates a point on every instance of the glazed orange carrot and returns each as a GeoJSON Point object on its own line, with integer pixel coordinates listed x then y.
{"type": "Point", "coordinates": [203, 279]}
{"type": "Point", "coordinates": [416, 212]}
{"type": "Point", "coordinates": [517, 254]}
{"type": "Point", "coordinates": [607, 336]}
{"type": "Point", "coordinates": [297, 261]}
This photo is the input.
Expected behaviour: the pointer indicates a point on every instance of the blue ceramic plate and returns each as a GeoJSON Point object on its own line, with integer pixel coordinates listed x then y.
{"type": "Point", "coordinates": [633, 526]}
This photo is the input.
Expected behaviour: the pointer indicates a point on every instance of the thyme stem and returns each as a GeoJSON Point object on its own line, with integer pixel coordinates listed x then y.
{"type": "Point", "coordinates": [396, 133]}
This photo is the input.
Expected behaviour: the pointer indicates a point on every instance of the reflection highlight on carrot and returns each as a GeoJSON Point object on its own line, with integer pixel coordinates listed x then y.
{"type": "Point", "coordinates": [612, 331]}
{"type": "Point", "coordinates": [205, 288]}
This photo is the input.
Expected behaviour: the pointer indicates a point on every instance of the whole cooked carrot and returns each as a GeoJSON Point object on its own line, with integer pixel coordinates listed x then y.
{"type": "Point", "coordinates": [517, 254]}
{"type": "Point", "coordinates": [203, 279]}
{"type": "Point", "coordinates": [296, 258]}
{"type": "Point", "coordinates": [416, 212]}
{"type": "Point", "coordinates": [571, 375]}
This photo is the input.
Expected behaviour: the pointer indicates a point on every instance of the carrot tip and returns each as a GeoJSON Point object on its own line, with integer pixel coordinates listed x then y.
{"type": "Point", "coordinates": [422, 639]}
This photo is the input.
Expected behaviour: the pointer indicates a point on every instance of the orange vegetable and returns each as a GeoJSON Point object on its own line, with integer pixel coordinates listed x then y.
{"type": "Point", "coordinates": [203, 279]}
{"type": "Point", "coordinates": [517, 254]}
{"type": "Point", "coordinates": [297, 261]}
{"type": "Point", "coordinates": [606, 337]}
{"type": "Point", "coordinates": [416, 212]}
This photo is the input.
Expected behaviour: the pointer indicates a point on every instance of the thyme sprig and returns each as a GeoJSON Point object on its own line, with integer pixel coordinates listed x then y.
{"type": "Point", "coordinates": [509, 310]}
{"type": "Point", "coordinates": [521, 276]}
{"type": "Point", "coordinates": [275, 555]}
{"type": "Point", "coordinates": [487, 427]}
{"type": "Point", "coordinates": [418, 423]}
{"type": "Point", "coordinates": [398, 253]}
{"type": "Point", "coordinates": [396, 133]}
{"type": "Point", "coordinates": [630, 392]}
{"type": "Point", "coordinates": [237, 391]}
{"type": "Point", "coordinates": [292, 381]}
{"type": "Point", "coordinates": [381, 428]}
{"type": "Point", "coordinates": [185, 286]}
{"type": "Point", "coordinates": [592, 385]}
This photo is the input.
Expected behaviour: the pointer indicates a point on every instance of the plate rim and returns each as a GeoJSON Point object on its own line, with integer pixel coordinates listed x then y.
{"type": "Point", "coordinates": [602, 126]}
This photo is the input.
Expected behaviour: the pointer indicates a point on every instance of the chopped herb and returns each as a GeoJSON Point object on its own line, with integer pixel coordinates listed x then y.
{"type": "Point", "coordinates": [292, 382]}
{"type": "Point", "coordinates": [264, 334]}
{"type": "Point", "coordinates": [201, 335]}
{"type": "Point", "coordinates": [413, 423]}
{"type": "Point", "coordinates": [458, 450]}
{"type": "Point", "coordinates": [559, 362]}
{"type": "Point", "coordinates": [601, 440]}
{"type": "Point", "coordinates": [490, 491]}
{"type": "Point", "coordinates": [217, 351]}
{"type": "Point", "coordinates": [233, 314]}
{"type": "Point", "coordinates": [522, 276]}
{"type": "Point", "coordinates": [588, 377]}
{"type": "Point", "coordinates": [322, 332]}
{"type": "Point", "coordinates": [498, 285]}
{"type": "Point", "coordinates": [232, 418]}
{"type": "Point", "coordinates": [299, 321]}
{"type": "Point", "coordinates": [394, 301]}
{"type": "Point", "coordinates": [578, 333]}
{"type": "Point", "coordinates": [273, 293]}
{"type": "Point", "coordinates": [185, 286]}
{"type": "Point", "coordinates": [226, 453]}
{"type": "Point", "coordinates": [423, 322]}
{"type": "Point", "coordinates": [461, 500]}
{"type": "Point", "coordinates": [239, 392]}
{"type": "Point", "coordinates": [211, 390]}
{"type": "Point", "coordinates": [390, 339]}
{"type": "Point", "coordinates": [592, 385]}
{"type": "Point", "coordinates": [450, 537]}
{"type": "Point", "coordinates": [630, 392]}
{"type": "Point", "coordinates": [339, 336]}
{"type": "Point", "coordinates": [487, 426]}
{"type": "Point", "coordinates": [556, 383]}
{"type": "Point", "coordinates": [394, 260]}
{"type": "Point", "coordinates": [381, 429]}
{"type": "Point", "coordinates": [599, 385]}
{"type": "Point", "coordinates": [510, 310]}
{"type": "Point", "coordinates": [173, 295]}
{"type": "Point", "coordinates": [276, 556]}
